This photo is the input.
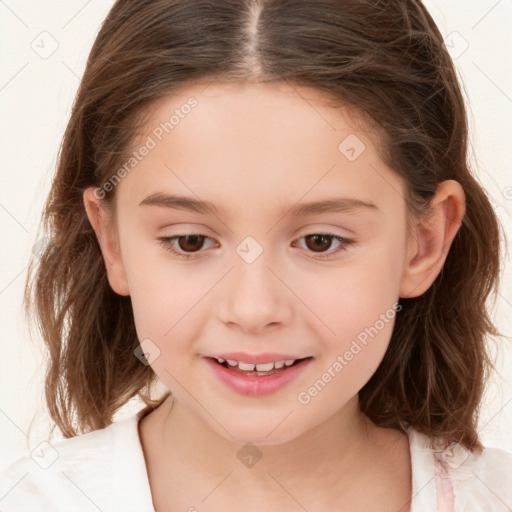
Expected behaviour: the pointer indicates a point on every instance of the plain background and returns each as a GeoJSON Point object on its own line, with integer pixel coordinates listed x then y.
{"type": "Point", "coordinates": [36, 94]}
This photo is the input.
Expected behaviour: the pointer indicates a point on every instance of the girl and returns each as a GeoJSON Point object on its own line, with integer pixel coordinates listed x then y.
{"type": "Point", "coordinates": [266, 207]}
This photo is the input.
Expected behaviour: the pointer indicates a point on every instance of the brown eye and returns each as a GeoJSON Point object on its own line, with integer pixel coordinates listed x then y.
{"type": "Point", "coordinates": [191, 243]}
{"type": "Point", "coordinates": [184, 246]}
{"type": "Point", "coordinates": [190, 246]}
{"type": "Point", "coordinates": [318, 242]}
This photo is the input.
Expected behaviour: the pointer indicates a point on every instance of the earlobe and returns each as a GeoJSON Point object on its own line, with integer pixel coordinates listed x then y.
{"type": "Point", "coordinates": [433, 236]}
{"type": "Point", "coordinates": [105, 233]}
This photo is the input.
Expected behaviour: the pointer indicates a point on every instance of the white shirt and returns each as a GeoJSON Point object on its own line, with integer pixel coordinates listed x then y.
{"type": "Point", "coordinates": [105, 471]}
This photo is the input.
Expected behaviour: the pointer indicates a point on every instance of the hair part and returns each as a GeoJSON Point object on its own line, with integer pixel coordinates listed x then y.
{"type": "Point", "coordinates": [384, 59]}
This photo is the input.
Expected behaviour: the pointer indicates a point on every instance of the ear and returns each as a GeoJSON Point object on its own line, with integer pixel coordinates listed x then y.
{"type": "Point", "coordinates": [104, 228]}
{"type": "Point", "coordinates": [432, 239]}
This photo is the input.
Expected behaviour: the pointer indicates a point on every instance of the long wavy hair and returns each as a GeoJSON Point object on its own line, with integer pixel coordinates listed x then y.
{"type": "Point", "coordinates": [386, 59]}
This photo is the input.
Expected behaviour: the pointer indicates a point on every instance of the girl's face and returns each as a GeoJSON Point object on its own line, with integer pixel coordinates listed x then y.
{"type": "Point", "coordinates": [260, 170]}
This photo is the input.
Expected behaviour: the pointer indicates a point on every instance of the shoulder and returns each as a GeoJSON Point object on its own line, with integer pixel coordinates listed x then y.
{"type": "Point", "coordinates": [82, 473]}
{"type": "Point", "coordinates": [458, 478]}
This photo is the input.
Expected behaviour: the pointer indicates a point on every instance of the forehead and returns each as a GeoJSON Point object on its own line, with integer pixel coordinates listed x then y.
{"type": "Point", "coordinates": [254, 143]}
{"type": "Point", "coordinates": [251, 101]}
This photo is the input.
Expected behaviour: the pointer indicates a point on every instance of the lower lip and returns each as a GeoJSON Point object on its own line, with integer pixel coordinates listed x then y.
{"type": "Point", "coordinates": [257, 385]}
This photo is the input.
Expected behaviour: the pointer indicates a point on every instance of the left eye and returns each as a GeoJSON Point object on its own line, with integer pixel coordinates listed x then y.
{"type": "Point", "coordinates": [322, 240]}
{"type": "Point", "coordinates": [188, 245]}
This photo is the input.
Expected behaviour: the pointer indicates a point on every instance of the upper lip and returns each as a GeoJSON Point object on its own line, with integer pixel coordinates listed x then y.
{"type": "Point", "coordinates": [266, 357]}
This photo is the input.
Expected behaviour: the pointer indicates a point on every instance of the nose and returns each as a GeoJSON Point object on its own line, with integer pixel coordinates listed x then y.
{"type": "Point", "coordinates": [253, 297]}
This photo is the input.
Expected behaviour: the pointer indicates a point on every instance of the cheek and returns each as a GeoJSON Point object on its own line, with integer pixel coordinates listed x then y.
{"type": "Point", "coordinates": [167, 315]}
{"type": "Point", "coordinates": [362, 315]}
{"type": "Point", "coordinates": [357, 304]}
{"type": "Point", "coordinates": [169, 305]}
{"type": "Point", "coordinates": [166, 309]}
{"type": "Point", "coordinates": [352, 296]}
{"type": "Point", "coordinates": [158, 292]}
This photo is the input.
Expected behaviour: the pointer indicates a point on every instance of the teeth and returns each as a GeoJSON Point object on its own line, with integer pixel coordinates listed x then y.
{"type": "Point", "coordinates": [265, 367]}
{"type": "Point", "coordinates": [246, 366]}
{"type": "Point", "coordinates": [262, 367]}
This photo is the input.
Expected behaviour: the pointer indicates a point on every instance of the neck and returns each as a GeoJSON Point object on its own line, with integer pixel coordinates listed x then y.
{"type": "Point", "coordinates": [188, 457]}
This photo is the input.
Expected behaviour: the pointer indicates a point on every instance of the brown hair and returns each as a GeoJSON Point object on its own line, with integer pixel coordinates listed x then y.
{"type": "Point", "coordinates": [386, 59]}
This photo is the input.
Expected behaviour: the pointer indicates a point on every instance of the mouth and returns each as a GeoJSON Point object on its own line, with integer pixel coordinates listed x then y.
{"type": "Point", "coordinates": [258, 369]}
{"type": "Point", "coordinates": [257, 375]}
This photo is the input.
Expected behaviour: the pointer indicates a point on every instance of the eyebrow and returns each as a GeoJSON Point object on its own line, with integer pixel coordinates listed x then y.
{"type": "Point", "coordinates": [330, 205]}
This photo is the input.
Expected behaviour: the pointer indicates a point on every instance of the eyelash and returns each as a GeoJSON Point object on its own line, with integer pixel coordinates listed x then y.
{"type": "Point", "coordinates": [167, 242]}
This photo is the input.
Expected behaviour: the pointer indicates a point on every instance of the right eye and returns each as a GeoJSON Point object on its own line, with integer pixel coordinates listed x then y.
{"type": "Point", "coordinates": [192, 243]}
